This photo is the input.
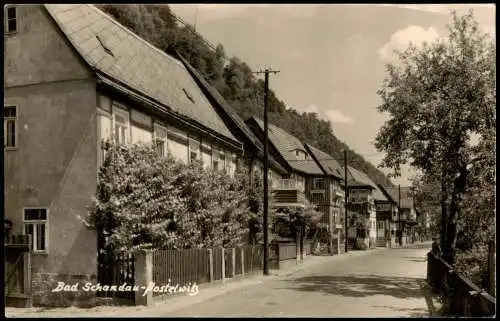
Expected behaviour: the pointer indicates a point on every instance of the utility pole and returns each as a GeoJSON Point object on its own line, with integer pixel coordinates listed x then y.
{"type": "Point", "coordinates": [399, 216]}
{"type": "Point", "coordinates": [266, 183]}
{"type": "Point", "coordinates": [346, 195]}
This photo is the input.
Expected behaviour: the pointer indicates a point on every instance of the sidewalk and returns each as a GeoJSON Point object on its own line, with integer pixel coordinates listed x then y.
{"type": "Point", "coordinates": [207, 291]}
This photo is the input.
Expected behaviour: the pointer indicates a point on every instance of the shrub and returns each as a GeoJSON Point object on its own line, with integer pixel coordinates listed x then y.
{"type": "Point", "coordinates": [145, 201]}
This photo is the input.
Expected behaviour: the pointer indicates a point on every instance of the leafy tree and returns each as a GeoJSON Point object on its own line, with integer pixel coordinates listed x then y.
{"type": "Point", "coordinates": [437, 97]}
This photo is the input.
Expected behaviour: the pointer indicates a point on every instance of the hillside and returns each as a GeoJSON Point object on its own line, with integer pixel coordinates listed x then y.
{"type": "Point", "coordinates": [234, 80]}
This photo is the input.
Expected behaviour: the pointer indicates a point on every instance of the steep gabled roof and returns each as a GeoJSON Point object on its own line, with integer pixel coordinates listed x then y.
{"type": "Point", "coordinates": [359, 178]}
{"type": "Point", "coordinates": [227, 110]}
{"type": "Point", "coordinates": [406, 196]}
{"type": "Point", "coordinates": [113, 50]}
{"type": "Point", "coordinates": [326, 162]}
{"type": "Point", "coordinates": [388, 194]}
{"type": "Point", "coordinates": [287, 145]}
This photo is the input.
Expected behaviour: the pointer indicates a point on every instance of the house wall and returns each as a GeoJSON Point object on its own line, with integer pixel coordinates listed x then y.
{"type": "Point", "coordinates": [361, 201]}
{"type": "Point", "coordinates": [54, 164]}
{"type": "Point", "coordinates": [179, 143]}
{"type": "Point", "coordinates": [38, 53]}
{"type": "Point", "coordinates": [258, 167]}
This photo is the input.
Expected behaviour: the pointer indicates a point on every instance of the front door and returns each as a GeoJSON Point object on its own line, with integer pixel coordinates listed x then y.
{"type": "Point", "coordinates": [380, 229]}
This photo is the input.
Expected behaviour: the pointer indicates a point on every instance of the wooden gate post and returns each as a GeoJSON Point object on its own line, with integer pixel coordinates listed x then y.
{"type": "Point", "coordinates": [27, 278]}
{"type": "Point", "coordinates": [223, 265]}
{"type": "Point", "coordinates": [233, 261]}
{"type": "Point", "coordinates": [143, 276]}
{"type": "Point", "coordinates": [211, 264]}
{"type": "Point", "coordinates": [242, 261]}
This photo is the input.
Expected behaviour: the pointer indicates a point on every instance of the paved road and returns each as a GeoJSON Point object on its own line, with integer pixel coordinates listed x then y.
{"type": "Point", "coordinates": [380, 283]}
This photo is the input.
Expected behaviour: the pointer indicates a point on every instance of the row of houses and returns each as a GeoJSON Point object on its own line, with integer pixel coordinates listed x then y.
{"type": "Point", "coordinates": [73, 77]}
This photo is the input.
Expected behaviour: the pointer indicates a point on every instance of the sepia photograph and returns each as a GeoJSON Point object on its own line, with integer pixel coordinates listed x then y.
{"type": "Point", "coordinates": [249, 160]}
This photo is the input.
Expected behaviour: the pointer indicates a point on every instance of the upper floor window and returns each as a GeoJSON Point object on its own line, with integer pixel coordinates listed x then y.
{"type": "Point", "coordinates": [222, 160]}
{"type": "Point", "coordinates": [35, 223]}
{"type": "Point", "coordinates": [121, 124]}
{"type": "Point", "coordinates": [160, 139]}
{"type": "Point", "coordinates": [319, 183]}
{"type": "Point", "coordinates": [9, 126]}
{"type": "Point", "coordinates": [194, 149]}
{"type": "Point", "coordinates": [11, 19]}
{"type": "Point", "coordinates": [215, 158]}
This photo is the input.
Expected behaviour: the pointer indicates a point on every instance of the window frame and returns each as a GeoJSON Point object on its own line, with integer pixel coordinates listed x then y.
{"type": "Point", "coordinates": [16, 127]}
{"type": "Point", "coordinates": [35, 223]}
{"type": "Point", "coordinates": [117, 110]}
{"type": "Point", "coordinates": [156, 126]}
{"type": "Point", "coordinates": [7, 20]}
{"type": "Point", "coordinates": [315, 186]}
{"type": "Point", "coordinates": [206, 146]}
{"type": "Point", "coordinates": [192, 140]}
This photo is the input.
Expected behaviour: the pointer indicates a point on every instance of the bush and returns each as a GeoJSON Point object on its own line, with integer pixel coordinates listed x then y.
{"type": "Point", "coordinates": [145, 201]}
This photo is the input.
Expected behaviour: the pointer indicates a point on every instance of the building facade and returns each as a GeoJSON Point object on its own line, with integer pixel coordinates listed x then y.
{"type": "Point", "coordinates": [332, 200]}
{"type": "Point", "coordinates": [74, 78]}
{"type": "Point", "coordinates": [363, 218]}
{"type": "Point", "coordinates": [387, 212]}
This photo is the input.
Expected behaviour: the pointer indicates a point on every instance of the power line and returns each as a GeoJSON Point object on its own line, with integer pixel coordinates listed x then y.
{"type": "Point", "coordinates": [179, 19]}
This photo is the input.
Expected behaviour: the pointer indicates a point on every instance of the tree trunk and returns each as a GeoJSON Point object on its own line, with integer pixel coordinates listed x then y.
{"type": "Point", "coordinates": [451, 229]}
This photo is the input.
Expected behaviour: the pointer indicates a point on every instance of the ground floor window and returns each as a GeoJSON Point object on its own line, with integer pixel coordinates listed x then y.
{"type": "Point", "coordinates": [36, 224]}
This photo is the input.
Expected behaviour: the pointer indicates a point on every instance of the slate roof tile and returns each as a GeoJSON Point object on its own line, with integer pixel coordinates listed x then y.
{"type": "Point", "coordinates": [329, 164]}
{"type": "Point", "coordinates": [232, 115]}
{"type": "Point", "coordinates": [356, 178]}
{"type": "Point", "coordinates": [287, 144]}
{"type": "Point", "coordinates": [134, 62]}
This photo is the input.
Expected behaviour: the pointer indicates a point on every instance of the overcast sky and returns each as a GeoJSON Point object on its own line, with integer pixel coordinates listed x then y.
{"type": "Point", "coordinates": [331, 57]}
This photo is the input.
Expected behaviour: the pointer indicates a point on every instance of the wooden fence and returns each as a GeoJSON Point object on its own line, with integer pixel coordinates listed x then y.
{"type": "Point", "coordinates": [197, 266]}
{"type": "Point", "coordinates": [168, 269]}
{"type": "Point", "coordinates": [464, 298]}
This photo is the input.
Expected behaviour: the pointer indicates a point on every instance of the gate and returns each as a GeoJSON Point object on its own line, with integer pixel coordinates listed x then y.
{"type": "Point", "coordinates": [17, 271]}
{"type": "Point", "coordinates": [117, 270]}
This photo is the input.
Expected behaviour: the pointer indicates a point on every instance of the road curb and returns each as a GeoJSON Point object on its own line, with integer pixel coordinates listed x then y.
{"type": "Point", "coordinates": [208, 291]}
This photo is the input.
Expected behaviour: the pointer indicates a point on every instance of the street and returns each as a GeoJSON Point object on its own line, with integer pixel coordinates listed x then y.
{"type": "Point", "coordinates": [381, 283]}
{"type": "Point", "coordinates": [373, 283]}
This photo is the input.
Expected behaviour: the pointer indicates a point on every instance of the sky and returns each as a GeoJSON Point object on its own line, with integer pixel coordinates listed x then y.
{"type": "Point", "coordinates": [331, 57]}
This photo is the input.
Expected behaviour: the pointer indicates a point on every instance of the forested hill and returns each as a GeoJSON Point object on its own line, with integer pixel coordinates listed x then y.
{"type": "Point", "coordinates": [234, 80]}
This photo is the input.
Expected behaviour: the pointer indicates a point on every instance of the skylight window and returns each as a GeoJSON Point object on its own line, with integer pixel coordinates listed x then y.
{"type": "Point", "coordinates": [106, 48]}
{"type": "Point", "coordinates": [188, 95]}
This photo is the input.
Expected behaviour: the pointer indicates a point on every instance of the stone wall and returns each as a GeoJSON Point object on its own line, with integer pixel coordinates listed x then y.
{"type": "Point", "coordinates": [43, 285]}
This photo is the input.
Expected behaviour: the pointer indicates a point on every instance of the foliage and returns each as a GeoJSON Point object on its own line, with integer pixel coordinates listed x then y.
{"type": "Point", "coordinates": [473, 264]}
{"type": "Point", "coordinates": [233, 78]}
{"type": "Point", "coordinates": [437, 97]}
{"type": "Point", "coordinates": [427, 200]}
{"type": "Point", "coordinates": [256, 206]}
{"type": "Point", "coordinates": [291, 221]}
{"type": "Point", "coordinates": [146, 201]}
